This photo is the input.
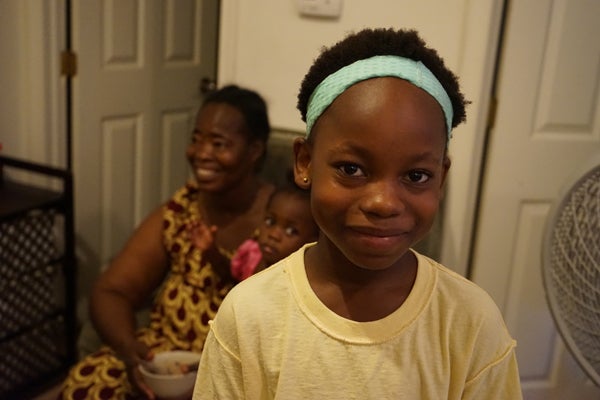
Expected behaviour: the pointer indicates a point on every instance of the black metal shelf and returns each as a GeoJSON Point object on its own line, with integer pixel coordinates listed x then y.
{"type": "Point", "coordinates": [37, 279]}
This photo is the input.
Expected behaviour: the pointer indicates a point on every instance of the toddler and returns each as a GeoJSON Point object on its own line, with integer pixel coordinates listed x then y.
{"type": "Point", "coordinates": [288, 224]}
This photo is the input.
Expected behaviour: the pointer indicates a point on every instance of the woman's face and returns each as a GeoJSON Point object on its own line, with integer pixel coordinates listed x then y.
{"type": "Point", "coordinates": [221, 153]}
{"type": "Point", "coordinates": [376, 166]}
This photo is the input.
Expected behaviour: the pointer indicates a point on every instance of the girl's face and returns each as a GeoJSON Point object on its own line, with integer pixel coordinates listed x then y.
{"type": "Point", "coordinates": [221, 153]}
{"type": "Point", "coordinates": [288, 225]}
{"type": "Point", "coordinates": [377, 164]}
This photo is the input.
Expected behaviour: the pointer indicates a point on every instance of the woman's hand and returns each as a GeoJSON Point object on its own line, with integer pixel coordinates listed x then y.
{"type": "Point", "coordinates": [137, 353]}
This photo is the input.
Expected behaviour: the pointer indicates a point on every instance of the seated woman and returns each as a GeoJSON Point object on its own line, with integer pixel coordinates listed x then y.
{"type": "Point", "coordinates": [226, 152]}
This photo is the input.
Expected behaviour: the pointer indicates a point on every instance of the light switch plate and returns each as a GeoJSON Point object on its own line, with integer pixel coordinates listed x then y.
{"type": "Point", "coordinates": [320, 8]}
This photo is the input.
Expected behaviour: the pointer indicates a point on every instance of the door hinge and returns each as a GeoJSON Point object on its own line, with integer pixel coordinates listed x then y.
{"type": "Point", "coordinates": [68, 63]}
{"type": "Point", "coordinates": [491, 119]}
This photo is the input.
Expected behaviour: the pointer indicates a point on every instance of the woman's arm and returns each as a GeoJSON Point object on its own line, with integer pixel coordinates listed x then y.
{"type": "Point", "coordinates": [128, 282]}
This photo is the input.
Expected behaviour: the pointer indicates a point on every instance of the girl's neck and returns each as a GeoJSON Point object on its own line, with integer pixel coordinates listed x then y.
{"type": "Point", "coordinates": [356, 293]}
{"type": "Point", "coordinates": [333, 266]}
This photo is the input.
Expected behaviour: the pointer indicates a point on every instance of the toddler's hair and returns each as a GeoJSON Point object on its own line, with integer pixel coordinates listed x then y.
{"type": "Point", "coordinates": [289, 186]}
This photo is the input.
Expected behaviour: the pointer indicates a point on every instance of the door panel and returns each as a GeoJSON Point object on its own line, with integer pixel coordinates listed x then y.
{"type": "Point", "coordinates": [547, 125]}
{"type": "Point", "coordinates": [135, 98]}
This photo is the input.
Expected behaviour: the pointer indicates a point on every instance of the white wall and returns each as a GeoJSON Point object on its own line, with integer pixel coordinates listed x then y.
{"type": "Point", "coordinates": [32, 112]}
{"type": "Point", "coordinates": [268, 46]}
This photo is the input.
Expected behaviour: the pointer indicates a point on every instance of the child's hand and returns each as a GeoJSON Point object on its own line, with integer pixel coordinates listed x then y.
{"type": "Point", "coordinates": [202, 236]}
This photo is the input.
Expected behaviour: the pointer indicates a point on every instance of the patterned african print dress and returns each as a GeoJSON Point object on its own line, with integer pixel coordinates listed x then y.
{"type": "Point", "coordinates": [188, 299]}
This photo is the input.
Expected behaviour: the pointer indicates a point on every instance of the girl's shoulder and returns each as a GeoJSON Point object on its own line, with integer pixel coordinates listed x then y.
{"type": "Point", "coordinates": [454, 295]}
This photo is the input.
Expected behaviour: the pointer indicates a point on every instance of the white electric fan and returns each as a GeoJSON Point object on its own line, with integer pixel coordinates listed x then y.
{"type": "Point", "coordinates": [571, 268]}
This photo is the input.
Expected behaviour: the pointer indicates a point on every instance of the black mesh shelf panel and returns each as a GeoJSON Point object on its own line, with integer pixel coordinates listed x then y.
{"type": "Point", "coordinates": [33, 356]}
{"type": "Point", "coordinates": [37, 281]}
{"type": "Point", "coordinates": [27, 244]}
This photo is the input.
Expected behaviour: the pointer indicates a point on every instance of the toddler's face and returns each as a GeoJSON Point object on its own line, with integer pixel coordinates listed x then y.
{"type": "Point", "coordinates": [288, 225]}
{"type": "Point", "coordinates": [377, 166]}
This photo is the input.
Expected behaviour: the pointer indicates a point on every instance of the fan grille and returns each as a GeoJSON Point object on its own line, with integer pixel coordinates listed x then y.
{"type": "Point", "coordinates": [572, 271]}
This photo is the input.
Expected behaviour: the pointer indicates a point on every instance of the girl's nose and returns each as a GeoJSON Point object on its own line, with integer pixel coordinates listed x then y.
{"type": "Point", "coordinates": [383, 199]}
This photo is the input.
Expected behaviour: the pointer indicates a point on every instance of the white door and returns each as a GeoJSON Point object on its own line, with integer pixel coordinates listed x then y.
{"type": "Point", "coordinates": [547, 126]}
{"type": "Point", "coordinates": [135, 96]}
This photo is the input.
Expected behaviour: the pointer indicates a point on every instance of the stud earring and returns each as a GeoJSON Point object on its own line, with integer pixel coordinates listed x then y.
{"type": "Point", "coordinates": [305, 180]}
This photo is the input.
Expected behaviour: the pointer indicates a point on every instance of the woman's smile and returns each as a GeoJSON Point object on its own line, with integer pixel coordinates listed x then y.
{"type": "Point", "coordinates": [203, 173]}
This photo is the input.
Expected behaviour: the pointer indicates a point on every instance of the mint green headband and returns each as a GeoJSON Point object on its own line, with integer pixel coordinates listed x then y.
{"type": "Point", "coordinates": [378, 66]}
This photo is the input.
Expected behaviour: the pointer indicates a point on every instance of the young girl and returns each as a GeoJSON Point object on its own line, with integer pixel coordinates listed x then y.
{"type": "Point", "coordinates": [360, 314]}
{"type": "Point", "coordinates": [288, 224]}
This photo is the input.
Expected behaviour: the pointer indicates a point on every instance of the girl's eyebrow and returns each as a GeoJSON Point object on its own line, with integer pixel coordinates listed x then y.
{"type": "Point", "coordinates": [427, 156]}
{"type": "Point", "coordinates": [349, 147]}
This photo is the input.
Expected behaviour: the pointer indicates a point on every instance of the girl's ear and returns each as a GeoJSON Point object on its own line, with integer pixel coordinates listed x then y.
{"type": "Point", "coordinates": [302, 163]}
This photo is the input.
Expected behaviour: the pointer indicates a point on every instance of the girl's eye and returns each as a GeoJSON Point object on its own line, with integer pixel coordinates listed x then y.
{"type": "Point", "coordinates": [418, 176]}
{"type": "Point", "coordinates": [269, 221]}
{"type": "Point", "coordinates": [291, 231]}
{"type": "Point", "coordinates": [351, 170]}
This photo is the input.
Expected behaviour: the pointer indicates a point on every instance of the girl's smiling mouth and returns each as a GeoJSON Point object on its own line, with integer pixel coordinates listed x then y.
{"type": "Point", "coordinates": [377, 238]}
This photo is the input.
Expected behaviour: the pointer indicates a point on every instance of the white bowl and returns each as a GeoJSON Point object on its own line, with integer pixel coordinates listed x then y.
{"type": "Point", "coordinates": [171, 386]}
